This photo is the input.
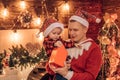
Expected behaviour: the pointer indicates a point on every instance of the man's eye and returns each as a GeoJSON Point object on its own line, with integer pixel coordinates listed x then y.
{"type": "Point", "coordinates": [75, 29]}
{"type": "Point", "coordinates": [70, 29]}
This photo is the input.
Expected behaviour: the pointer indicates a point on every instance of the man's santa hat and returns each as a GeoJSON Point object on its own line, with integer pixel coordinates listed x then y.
{"type": "Point", "coordinates": [82, 17]}
{"type": "Point", "coordinates": [50, 24]}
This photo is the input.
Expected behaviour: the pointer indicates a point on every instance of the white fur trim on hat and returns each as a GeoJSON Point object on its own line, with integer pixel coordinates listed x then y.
{"type": "Point", "coordinates": [80, 20]}
{"type": "Point", "coordinates": [51, 27]}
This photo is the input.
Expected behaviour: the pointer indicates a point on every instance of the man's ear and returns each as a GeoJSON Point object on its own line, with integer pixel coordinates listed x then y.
{"type": "Point", "coordinates": [85, 29]}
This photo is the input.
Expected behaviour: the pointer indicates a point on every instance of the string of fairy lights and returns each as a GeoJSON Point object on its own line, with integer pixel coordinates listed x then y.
{"type": "Point", "coordinates": [25, 17]}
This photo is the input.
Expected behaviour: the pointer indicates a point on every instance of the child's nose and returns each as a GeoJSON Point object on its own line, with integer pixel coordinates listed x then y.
{"type": "Point", "coordinates": [57, 36]}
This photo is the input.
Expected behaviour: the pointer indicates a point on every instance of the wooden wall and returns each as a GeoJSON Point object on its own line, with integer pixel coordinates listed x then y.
{"type": "Point", "coordinates": [35, 7]}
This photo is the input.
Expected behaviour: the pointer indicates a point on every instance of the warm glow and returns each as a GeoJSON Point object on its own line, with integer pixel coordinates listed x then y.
{"type": "Point", "coordinates": [37, 21]}
{"type": "Point", "coordinates": [22, 5]}
{"type": "Point", "coordinates": [66, 7]}
{"type": "Point", "coordinates": [114, 17]}
{"type": "Point", "coordinates": [15, 37]}
{"type": "Point", "coordinates": [5, 12]}
{"type": "Point", "coordinates": [40, 36]}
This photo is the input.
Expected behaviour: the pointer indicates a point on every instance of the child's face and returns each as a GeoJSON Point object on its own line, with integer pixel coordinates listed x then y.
{"type": "Point", "coordinates": [55, 33]}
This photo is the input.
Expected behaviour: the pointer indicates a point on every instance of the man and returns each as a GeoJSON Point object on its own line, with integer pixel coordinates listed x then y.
{"type": "Point", "coordinates": [86, 57]}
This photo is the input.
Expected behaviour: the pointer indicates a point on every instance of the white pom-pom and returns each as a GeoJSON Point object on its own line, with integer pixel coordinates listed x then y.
{"type": "Point", "coordinates": [98, 20]}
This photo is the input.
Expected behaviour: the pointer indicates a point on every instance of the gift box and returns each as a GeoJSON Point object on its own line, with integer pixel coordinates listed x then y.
{"type": "Point", "coordinates": [58, 57]}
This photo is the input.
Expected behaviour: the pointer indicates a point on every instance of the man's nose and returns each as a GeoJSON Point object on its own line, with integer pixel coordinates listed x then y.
{"type": "Point", "coordinates": [71, 32]}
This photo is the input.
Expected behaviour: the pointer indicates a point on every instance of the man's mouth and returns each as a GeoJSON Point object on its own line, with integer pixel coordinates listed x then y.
{"type": "Point", "coordinates": [73, 37]}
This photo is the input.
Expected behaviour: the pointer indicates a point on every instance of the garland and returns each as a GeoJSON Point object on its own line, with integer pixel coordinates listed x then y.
{"type": "Point", "coordinates": [21, 57]}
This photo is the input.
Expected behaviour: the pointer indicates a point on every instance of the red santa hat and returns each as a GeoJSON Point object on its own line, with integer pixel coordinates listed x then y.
{"type": "Point", "coordinates": [95, 19]}
{"type": "Point", "coordinates": [49, 24]}
{"type": "Point", "coordinates": [82, 17]}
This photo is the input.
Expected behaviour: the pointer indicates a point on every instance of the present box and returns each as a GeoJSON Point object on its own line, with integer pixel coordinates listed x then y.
{"type": "Point", "coordinates": [58, 57]}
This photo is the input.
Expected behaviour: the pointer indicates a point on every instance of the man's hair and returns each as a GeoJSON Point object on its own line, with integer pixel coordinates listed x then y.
{"type": "Point", "coordinates": [72, 21]}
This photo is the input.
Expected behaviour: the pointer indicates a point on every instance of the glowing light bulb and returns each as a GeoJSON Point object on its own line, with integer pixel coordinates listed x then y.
{"type": "Point", "coordinates": [22, 4]}
{"type": "Point", "coordinates": [37, 21]}
{"type": "Point", "coordinates": [66, 6]}
{"type": "Point", "coordinates": [5, 12]}
{"type": "Point", "coordinates": [15, 37]}
{"type": "Point", "coordinates": [40, 36]}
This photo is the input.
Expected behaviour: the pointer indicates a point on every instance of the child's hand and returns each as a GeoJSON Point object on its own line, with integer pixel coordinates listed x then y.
{"type": "Point", "coordinates": [52, 68]}
{"type": "Point", "coordinates": [58, 44]}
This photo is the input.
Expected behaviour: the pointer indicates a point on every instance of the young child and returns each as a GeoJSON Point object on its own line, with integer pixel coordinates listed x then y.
{"type": "Point", "coordinates": [52, 29]}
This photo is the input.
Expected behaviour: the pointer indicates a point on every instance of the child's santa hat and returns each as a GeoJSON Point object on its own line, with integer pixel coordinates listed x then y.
{"type": "Point", "coordinates": [83, 16]}
{"type": "Point", "coordinates": [49, 24]}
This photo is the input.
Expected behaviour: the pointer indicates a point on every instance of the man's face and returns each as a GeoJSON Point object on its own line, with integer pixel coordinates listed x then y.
{"type": "Point", "coordinates": [77, 32]}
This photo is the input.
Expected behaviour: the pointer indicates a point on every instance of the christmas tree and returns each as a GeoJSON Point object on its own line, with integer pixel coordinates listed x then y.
{"type": "Point", "coordinates": [108, 37]}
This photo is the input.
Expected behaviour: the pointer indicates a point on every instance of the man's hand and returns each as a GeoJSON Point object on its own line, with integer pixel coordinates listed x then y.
{"type": "Point", "coordinates": [62, 71]}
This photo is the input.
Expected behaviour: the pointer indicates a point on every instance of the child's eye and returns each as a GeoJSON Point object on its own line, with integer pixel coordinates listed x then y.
{"type": "Point", "coordinates": [58, 33]}
{"type": "Point", "coordinates": [54, 32]}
